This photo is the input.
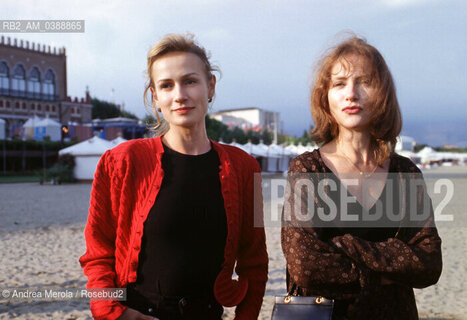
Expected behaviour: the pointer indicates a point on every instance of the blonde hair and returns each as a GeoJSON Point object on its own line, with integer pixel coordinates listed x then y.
{"type": "Point", "coordinates": [173, 43]}
{"type": "Point", "coordinates": [386, 122]}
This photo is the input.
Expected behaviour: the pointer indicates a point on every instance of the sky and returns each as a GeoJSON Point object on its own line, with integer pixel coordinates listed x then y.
{"type": "Point", "coordinates": [267, 50]}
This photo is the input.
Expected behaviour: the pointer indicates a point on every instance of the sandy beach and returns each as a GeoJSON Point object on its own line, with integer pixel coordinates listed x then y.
{"type": "Point", "coordinates": [41, 235]}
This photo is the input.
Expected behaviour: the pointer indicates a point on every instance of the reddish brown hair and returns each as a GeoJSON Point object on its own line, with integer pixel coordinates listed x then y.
{"type": "Point", "coordinates": [386, 122]}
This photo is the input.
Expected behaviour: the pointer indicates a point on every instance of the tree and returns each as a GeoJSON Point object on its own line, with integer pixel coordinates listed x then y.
{"type": "Point", "coordinates": [103, 109]}
{"type": "Point", "coordinates": [149, 120]}
{"type": "Point", "coordinates": [215, 129]}
{"type": "Point", "coordinates": [127, 114]}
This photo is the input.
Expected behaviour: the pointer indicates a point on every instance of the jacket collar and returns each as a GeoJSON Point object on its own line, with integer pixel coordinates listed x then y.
{"type": "Point", "coordinates": [223, 155]}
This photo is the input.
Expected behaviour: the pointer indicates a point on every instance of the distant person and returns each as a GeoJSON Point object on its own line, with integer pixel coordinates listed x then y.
{"type": "Point", "coordinates": [172, 216]}
{"type": "Point", "coordinates": [370, 266]}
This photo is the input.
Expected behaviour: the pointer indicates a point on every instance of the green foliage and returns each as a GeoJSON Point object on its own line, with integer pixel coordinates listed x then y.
{"type": "Point", "coordinates": [127, 114]}
{"type": "Point", "coordinates": [104, 110]}
{"type": "Point", "coordinates": [19, 179]}
{"type": "Point", "coordinates": [62, 171]}
{"type": "Point", "coordinates": [218, 131]}
{"type": "Point", "coordinates": [149, 120]}
{"type": "Point", "coordinates": [19, 144]}
{"type": "Point", "coordinates": [450, 149]}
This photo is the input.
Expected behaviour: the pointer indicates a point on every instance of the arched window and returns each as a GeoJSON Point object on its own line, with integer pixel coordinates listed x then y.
{"type": "Point", "coordinates": [48, 87]}
{"type": "Point", "coordinates": [19, 80]}
{"type": "Point", "coordinates": [4, 76]}
{"type": "Point", "coordinates": [34, 82]}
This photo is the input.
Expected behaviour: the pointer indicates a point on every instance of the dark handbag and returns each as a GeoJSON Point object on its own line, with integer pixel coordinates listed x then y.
{"type": "Point", "coordinates": [293, 307]}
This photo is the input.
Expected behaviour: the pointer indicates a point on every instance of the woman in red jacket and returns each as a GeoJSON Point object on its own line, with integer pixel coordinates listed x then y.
{"type": "Point", "coordinates": [171, 216]}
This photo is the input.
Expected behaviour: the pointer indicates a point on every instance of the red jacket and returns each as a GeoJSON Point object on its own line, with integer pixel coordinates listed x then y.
{"type": "Point", "coordinates": [125, 186]}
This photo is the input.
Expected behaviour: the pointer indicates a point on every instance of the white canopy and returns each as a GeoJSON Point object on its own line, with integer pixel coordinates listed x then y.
{"type": "Point", "coordinates": [254, 150]}
{"type": "Point", "coordinates": [32, 122]}
{"type": "Point", "coordinates": [91, 147]}
{"type": "Point", "coordinates": [47, 122]}
{"type": "Point", "coordinates": [117, 141]}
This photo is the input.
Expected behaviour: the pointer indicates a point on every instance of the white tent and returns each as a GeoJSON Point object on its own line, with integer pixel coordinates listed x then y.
{"type": "Point", "coordinates": [285, 156]}
{"type": "Point", "coordinates": [48, 127]}
{"type": "Point", "coordinates": [254, 150]}
{"type": "Point", "coordinates": [411, 155]}
{"type": "Point", "coordinates": [427, 154]}
{"type": "Point", "coordinates": [293, 149]}
{"type": "Point", "coordinates": [29, 127]}
{"type": "Point", "coordinates": [117, 141]}
{"type": "Point", "coordinates": [87, 155]}
{"type": "Point", "coordinates": [2, 129]}
{"type": "Point", "coordinates": [238, 145]}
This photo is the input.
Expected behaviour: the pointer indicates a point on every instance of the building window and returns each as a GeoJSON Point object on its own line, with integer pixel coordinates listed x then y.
{"type": "Point", "coordinates": [53, 109]}
{"type": "Point", "coordinates": [33, 106]}
{"type": "Point", "coordinates": [4, 77]}
{"type": "Point", "coordinates": [34, 83]}
{"type": "Point", "coordinates": [39, 107]}
{"type": "Point", "coordinates": [19, 81]}
{"type": "Point", "coordinates": [17, 105]}
{"type": "Point", "coordinates": [1, 103]}
{"type": "Point", "coordinates": [47, 108]}
{"type": "Point", "coordinates": [48, 87]}
{"type": "Point", "coordinates": [8, 104]}
{"type": "Point", "coordinates": [24, 106]}
{"type": "Point", "coordinates": [78, 110]}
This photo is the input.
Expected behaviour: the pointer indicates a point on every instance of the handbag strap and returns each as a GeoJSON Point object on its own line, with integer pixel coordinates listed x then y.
{"type": "Point", "coordinates": [293, 290]}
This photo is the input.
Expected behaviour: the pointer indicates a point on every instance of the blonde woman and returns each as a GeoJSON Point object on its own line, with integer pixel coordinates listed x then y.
{"type": "Point", "coordinates": [171, 216]}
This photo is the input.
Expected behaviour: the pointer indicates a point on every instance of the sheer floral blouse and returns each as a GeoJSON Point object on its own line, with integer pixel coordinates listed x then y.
{"type": "Point", "coordinates": [353, 264]}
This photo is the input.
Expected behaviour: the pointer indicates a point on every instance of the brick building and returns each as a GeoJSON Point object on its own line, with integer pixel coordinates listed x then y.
{"type": "Point", "coordinates": [33, 82]}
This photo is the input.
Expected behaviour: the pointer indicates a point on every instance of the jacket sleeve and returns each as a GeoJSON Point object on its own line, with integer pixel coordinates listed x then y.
{"type": "Point", "coordinates": [412, 258]}
{"type": "Point", "coordinates": [252, 262]}
{"type": "Point", "coordinates": [98, 262]}
{"type": "Point", "coordinates": [312, 263]}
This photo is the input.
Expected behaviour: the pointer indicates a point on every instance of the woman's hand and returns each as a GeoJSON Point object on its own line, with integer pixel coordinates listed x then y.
{"type": "Point", "coordinates": [132, 314]}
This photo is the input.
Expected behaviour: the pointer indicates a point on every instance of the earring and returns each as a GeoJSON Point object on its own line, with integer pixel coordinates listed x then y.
{"type": "Point", "coordinates": [159, 109]}
{"type": "Point", "coordinates": [210, 100]}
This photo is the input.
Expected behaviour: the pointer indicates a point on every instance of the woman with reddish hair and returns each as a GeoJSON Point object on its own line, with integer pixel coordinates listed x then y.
{"type": "Point", "coordinates": [363, 235]}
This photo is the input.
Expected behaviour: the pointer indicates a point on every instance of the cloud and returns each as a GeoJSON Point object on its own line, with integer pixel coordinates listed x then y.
{"type": "Point", "coordinates": [405, 3]}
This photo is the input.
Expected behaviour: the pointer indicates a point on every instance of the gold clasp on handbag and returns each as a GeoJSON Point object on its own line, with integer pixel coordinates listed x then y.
{"type": "Point", "coordinates": [319, 300]}
{"type": "Point", "coordinates": [287, 299]}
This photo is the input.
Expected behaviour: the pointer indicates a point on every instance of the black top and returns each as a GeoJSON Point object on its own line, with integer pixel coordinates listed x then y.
{"type": "Point", "coordinates": [185, 232]}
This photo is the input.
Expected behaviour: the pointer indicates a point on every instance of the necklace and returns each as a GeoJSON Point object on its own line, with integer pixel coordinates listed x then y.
{"type": "Point", "coordinates": [364, 174]}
